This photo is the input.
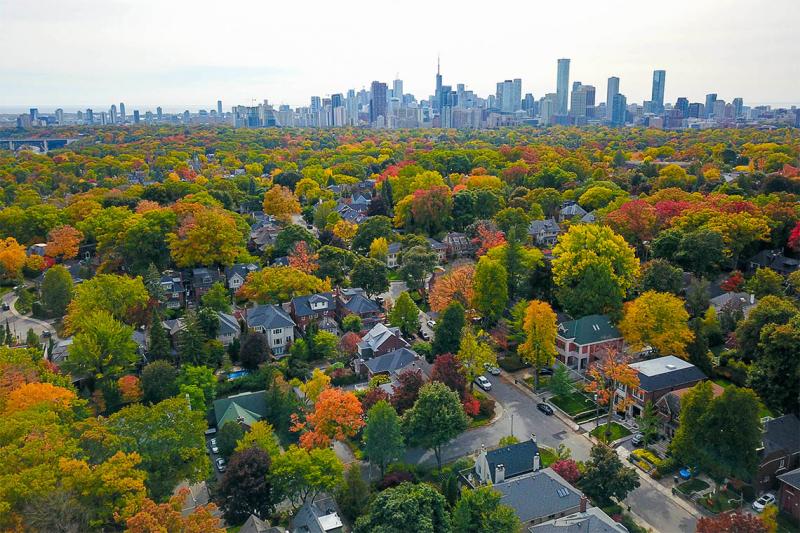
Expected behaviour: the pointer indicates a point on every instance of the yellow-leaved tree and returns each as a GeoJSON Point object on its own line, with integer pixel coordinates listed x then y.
{"type": "Point", "coordinates": [659, 320]}
{"type": "Point", "coordinates": [539, 348]}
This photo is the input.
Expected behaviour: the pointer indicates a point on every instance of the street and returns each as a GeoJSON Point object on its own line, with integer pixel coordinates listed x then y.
{"type": "Point", "coordinates": [21, 324]}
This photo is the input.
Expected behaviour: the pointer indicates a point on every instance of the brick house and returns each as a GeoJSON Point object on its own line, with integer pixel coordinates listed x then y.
{"type": "Point", "coordinates": [381, 339]}
{"type": "Point", "coordinates": [668, 408]}
{"type": "Point", "coordinates": [578, 342]}
{"type": "Point", "coordinates": [658, 377]}
{"type": "Point", "coordinates": [203, 279]}
{"type": "Point", "coordinates": [789, 494]}
{"type": "Point", "coordinates": [319, 308]}
{"type": "Point", "coordinates": [354, 302]}
{"type": "Point", "coordinates": [779, 452]}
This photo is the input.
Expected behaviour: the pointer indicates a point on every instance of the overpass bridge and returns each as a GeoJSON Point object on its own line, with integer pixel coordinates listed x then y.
{"type": "Point", "coordinates": [44, 143]}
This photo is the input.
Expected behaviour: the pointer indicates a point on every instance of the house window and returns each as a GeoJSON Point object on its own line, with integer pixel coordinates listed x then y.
{"type": "Point", "coordinates": [277, 331]}
{"type": "Point", "coordinates": [278, 341]}
{"type": "Point", "coordinates": [783, 463]}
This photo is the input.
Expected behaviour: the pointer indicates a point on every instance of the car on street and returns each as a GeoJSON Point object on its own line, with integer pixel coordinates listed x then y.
{"type": "Point", "coordinates": [46, 333]}
{"type": "Point", "coordinates": [6, 307]}
{"type": "Point", "coordinates": [763, 501]}
{"type": "Point", "coordinates": [425, 335]}
{"type": "Point", "coordinates": [493, 370]}
{"type": "Point", "coordinates": [637, 439]}
{"type": "Point", "coordinates": [546, 371]}
{"type": "Point", "coordinates": [431, 323]}
{"type": "Point", "coordinates": [545, 408]}
{"type": "Point", "coordinates": [220, 464]}
{"type": "Point", "coordinates": [483, 383]}
{"type": "Point", "coordinates": [214, 448]}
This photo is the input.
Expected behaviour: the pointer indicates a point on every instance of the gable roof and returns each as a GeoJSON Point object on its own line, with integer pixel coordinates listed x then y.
{"type": "Point", "coordinates": [228, 325]}
{"type": "Point", "coordinates": [791, 478]}
{"type": "Point", "coordinates": [360, 304]}
{"type": "Point", "coordinates": [302, 304]}
{"type": "Point", "coordinates": [394, 247]}
{"type": "Point", "coordinates": [393, 361]}
{"type": "Point", "coordinates": [516, 459]}
{"type": "Point", "coordinates": [666, 372]}
{"type": "Point", "coordinates": [547, 225]}
{"type": "Point", "coordinates": [246, 404]}
{"type": "Point", "coordinates": [378, 335]}
{"type": "Point", "coordinates": [255, 525]}
{"type": "Point", "coordinates": [572, 210]}
{"type": "Point", "coordinates": [240, 269]}
{"type": "Point", "coordinates": [538, 494]}
{"type": "Point", "coordinates": [589, 329]}
{"type": "Point", "coordinates": [269, 317]}
{"type": "Point", "coordinates": [782, 434]}
{"type": "Point", "coordinates": [593, 520]}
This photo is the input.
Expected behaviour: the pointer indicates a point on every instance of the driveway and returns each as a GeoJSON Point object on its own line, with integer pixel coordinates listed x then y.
{"type": "Point", "coordinates": [20, 324]}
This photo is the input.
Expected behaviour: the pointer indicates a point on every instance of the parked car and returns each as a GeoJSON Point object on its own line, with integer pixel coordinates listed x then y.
{"type": "Point", "coordinates": [763, 501]}
{"type": "Point", "coordinates": [483, 383]}
{"type": "Point", "coordinates": [431, 323]}
{"type": "Point", "coordinates": [46, 333]}
{"type": "Point", "coordinates": [425, 336]}
{"type": "Point", "coordinates": [546, 371]}
{"type": "Point", "coordinates": [214, 447]}
{"type": "Point", "coordinates": [637, 439]}
{"type": "Point", "coordinates": [380, 299]}
{"type": "Point", "coordinates": [220, 464]}
{"type": "Point", "coordinates": [545, 408]}
{"type": "Point", "coordinates": [493, 370]}
{"type": "Point", "coordinates": [6, 307]}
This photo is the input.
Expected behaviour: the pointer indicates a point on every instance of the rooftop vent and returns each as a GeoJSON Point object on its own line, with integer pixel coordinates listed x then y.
{"type": "Point", "coordinates": [671, 367]}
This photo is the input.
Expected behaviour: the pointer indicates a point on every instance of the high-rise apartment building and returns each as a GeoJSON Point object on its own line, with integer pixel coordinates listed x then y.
{"type": "Point", "coordinates": [60, 116]}
{"type": "Point", "coordinates": [738, 107]}
{"type": "Point", "coordinates": [122, 116]}
{"type": "Point", "coordinates": [619, 110]}
{"type": "Point", "coordinates": [710, 99]}
{"type": "Point", "coordinates": [659, 82]}
{"type": "Point", "coordinates": [219, 107]}
{"type": "Point", "coordinates": [397, 89]}
{"type": "Point", "coordinates": [562, 86]}
{"type": "Point", "coordinates": [509, 95]}
{"type": "Point", "coordinates": [682, 104]}
{"type": "Point", "coordinates": [378, 102]}
{"type": "Point", "coordinates": [612, 90]}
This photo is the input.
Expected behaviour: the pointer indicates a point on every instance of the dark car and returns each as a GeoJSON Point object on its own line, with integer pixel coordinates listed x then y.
{"type": "Point", "coordinates": [546, 409]}
{"type": "Point", "coordinates": [546, 371]}
{"type": "Point", "coordinates": [6, 307]}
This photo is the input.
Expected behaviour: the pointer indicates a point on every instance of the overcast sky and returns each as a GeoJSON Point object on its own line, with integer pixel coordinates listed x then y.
{"type": "Point", "coordinates": [178, 53]}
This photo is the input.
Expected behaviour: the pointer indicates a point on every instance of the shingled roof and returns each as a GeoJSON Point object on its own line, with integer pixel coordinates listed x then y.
{"type": "Point", "coordinates": [589, 329]}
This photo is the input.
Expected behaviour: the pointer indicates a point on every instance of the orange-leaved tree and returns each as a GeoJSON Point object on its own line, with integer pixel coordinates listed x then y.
{"type": "Point", "coordinates": [12, 258]}
{"type": "Point", "coordinates": [31, 394]}
{"type": "Point", "coordinates": [456, 285]}
{"type": "Point", "coordinates": [337, 415]}
{"type": "Point", "coordinates": [281, 203]}
{"type": "Point", "coordinates": [62, 242]}
{"type": "Point", "coordinates": [303, 258]}
{"type": "Point", "coordinates": [169, 518]}
{"type": "Point", "coordinates": [610, 372]}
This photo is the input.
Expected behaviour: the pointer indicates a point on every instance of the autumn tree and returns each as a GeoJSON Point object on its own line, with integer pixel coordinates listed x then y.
{"type": "Point", "coordinates": [490, 290]}
{"type": "Point", "coordinates": [383, 438]}
{"type": "Point", "coordinates": [379, 249]}
{"type": "Point", "coordinates": [31, 394]}
{"type": "Point", "coordinates": [736, 522]}
{"type": "Point", "coordinates": [207, 236]}
{"type": "Point", "coordinates": [473, 355]}
{"type": "Point", "coordinates": [303, 259]}
{"type": "Point", "coordinates": [456, 285]}
{"type": "Point", "coordinates": [658, 320]}
{"type": "Point", "coordinates": [103, 350]}
{"type": "Point", "coordinates": [336, 416]}
{"type": "Point", "coordinates": [345, 230]}
{"type": "Point", "coordinates": [606, 375]}
{"type": "Point", "coordinates": [406, 391]}
{"type": "Point", "coordinates": [245, 487]}
{"type": "Point", "coordinates": [539, 347]}
{"type": "Point", "coordinates": [123, 297]}
{"type": "Point", "coordinates": [299, 474]}
{"type": "Point", "coordinates": [261, 436]}
{"type": "Point", "coordinates": [446, 369]}
{"type": "Point", "coordinates": [280, 202]}
{"type": "Point", "coordinates": [436, 418]}
{"type": "Point", "coordinates": [568, 469]}
{"type": "Point", "coordinates": [405, 314]}
{"type": "Point", "coordinates": [316, 385]}
{"type": "Point", "coordinates": [62, 242]}
{"type": "Point", "coordinates": [12, 258]}
{"type": "Point", "coordinates": [130, 388]}
{"type": "Point", "coordinates": [169, 517]}
{"type": "Point", "coordinates": [280, 284]}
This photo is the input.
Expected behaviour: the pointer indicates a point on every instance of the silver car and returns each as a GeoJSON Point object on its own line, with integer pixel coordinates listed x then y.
{"type": "Point", "coordinates": [483, 383]}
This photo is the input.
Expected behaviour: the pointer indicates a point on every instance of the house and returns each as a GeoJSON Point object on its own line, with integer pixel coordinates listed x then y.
{"type": "Point", "coordinates": [658, 377]}
{"type": "Point", "coordinates": [317, 516]}
{"type": "Point", "coordinates": [237, 274]}
{"type": "Point", "coordinates": [390, 363]}
{"type": "Point", "coordinates": [393, 255]}
{"type": "Point", "coordinates": [203, 279]}
{"type": "Point", "coordinates": [229, 329]}
{"type": "Point", "coordinates": [354, 302]}
{"type": "Point", "coordinates": [253, 524]}
{"type": "Point", "coordinates": [37, 249]}
{"type": "Point", "coordinates": [544, 232]}
{"type": "Point", "coordinates": [591, 520]}
{"type": "Point", "coordinates": [458, 244]}
{"type": "Point", "coordinates": [439, 248]}
{"type": "Point", "coordinates": [734, 300]}
{"type": "Point", "coordinates": [579, 342]}
{"type": "Point", "coordinates": [668, 408]}
{"type": "Point", "coordinates": [589, 218]}
{"type": "Point", "coordinates": [360, 203]}
{"type": "Point", "coordinates": [775, 260]}
{"type": "Point", "coordinates": [60, 351]}
{"type": "Point", "coordinates": [504, 463]}
{"type": "Point", "coordinates": [173, 289]}
{"type": "Point", "coordinates": [539, 496]}
{"type": "Point", "coordinates": [273, 322]}
{"type": "Point", "coordinates": [780, 450]}
{"type": "Point", "coordinates": [381, 339]}
{"type": "Point", "coordinates": [263, 235]}
{"type": "Point", "coordinates": [244, 408]}
{"type": "Point", "coordinates": [569, 211]}
{"type": "Point", "coordinates": [789, 493]}
{"type": "Point", "coordinates": [315, 308]}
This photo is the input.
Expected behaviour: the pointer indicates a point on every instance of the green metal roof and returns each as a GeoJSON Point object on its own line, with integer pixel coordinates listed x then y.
{"type": "Point", "coordinates": [250, 406]}
{"type": "Point", "coordinates": [589, 329]}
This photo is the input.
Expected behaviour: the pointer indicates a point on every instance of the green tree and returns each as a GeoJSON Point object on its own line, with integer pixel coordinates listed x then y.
{"type": "Point", "coordinates": [121, 296]}
{"type": "Point", "coordinates": [416, 263]}
{"type": "Point", "coordinates": [436, 418]}
{"type": "Point", "coordinates": [405, 315]}
{"type": "Point", "coordinates": [291, 235]}
{"type": "Point", "coordinates": [371, 229]}
{"type": "Point", "coordinates": [353, 494]}
{"type": "Point", "coordinates": [159, 345]}
{"type": "Point", "coordinates": [335, 264]}
{"type": "Point", "coordinates": [300, 474]}
{"type": "Point", "coordinates": [560, 383]}
{"type": "Point", "coordinates": [200, 378]}
{"type": "Point", "coordinates": [769, 310]}
{"type": "Point", "coordinates": [660, 275]}
{"type": "Point", "coordinates": [480, 510]}
{"type": "Point", "coordinates": [190, 340]}
{"type": "Point", "coordinates": [217, 298]}
{"type": "Point", "coordinates": [448, 329]}
{"type": "Point", "coordinates": [775, 374]}
{"type": "Point", "coordinates": [383, 438]}
{"type": "Point", "coordinates": [262, 436]}
{"type": "Point", "coordinates": [491, 289]}
{"type": "Point", "coordinates": [605, 477]}
{"type": "Point", "coordinates": [159, 382]}
{"type": "Point", "coordinates": [104, 350]}
{"type": "Point", "coordinates": [473, 354]}
{"type": "Point", "coordinates": [371, 275]}
{"type": "Point", "coordinates": [649, 422]}
{"type": "Point", "coordinates": [228, 435]}
{"type": "Point", "coordinates": [408, 505]}
{"type": "Point", "coordinates": [56, 291]}
{"type": "Point", "coordinates": [352, 323]}
{"type": "Point", "coordinates": [697, 297]}
{"type": "Point", "coordinates": [765, 282]}
{"type": "Point", "coordinates": [254, 350]}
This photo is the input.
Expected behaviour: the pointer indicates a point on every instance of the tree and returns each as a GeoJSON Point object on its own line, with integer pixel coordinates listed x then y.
{"type": "Point", "coordinates": [371, 275]}
{"type": "Point", "coordinates": [379, 249]}
{"type": "Point", "coordinates": [190, 340]}
{"type": "Point", "coordinates": [383, 438]}
{"type": "Point", "coordinates": [446, 369]}
{"type": "Point", "coordinates": [281, 203]}
{"type": "Point", "coordinates": [448, 329]}
{"type": "Point", "coordinates": [335, 264]}
{"type": "Point", "coordinates": [393, 510]}
{"type": "Point", "coordinates": [405, 315]}
{"type": "Point", "coordinates": [480, 510]}
{"type": "Point", "coordinates": [280, 284]}
{"type": "Point", "coordinates": [697, 297]}
{"type": "Point", "coordinates": [62, 242]}
{"type": "Point", "coordinates": [261, 436]}
{"type": "Point", "coordinates": [254, 350]}
{"type": "Point", "coordinates": [130, 388]}
{"type": "Point", "coordinates": [315, 386]}
{"type": "Point", "coordinates": [303, 259]}
{"type": "Point", "coordinates": [660, 275]}
{"type": "Point", "coordinates": [765, 282]}
{"type": "Point", "coordinates": [659, 320]}
{"type": "Point", "coordinates": [369, 230]}
{"type": "Point", "coordinates": [56, 291]}
{"type": "Point", "coordinates": [123, 297]}
{"type": "Point", "coordinates": [635, 220]}
{"type": "Point", "coordinates": [158, 346]}
{"type": "Point", "coordinates": [32, 394]}
{"type": "Point", "coordinates": [12, 258]}
{"type": "Point", "coordinates": [473, 355]}
{"type": "Point", "coordinates": [217, 298]}
{"type": "Point", "coordinates": [159, 382]}
{"type": "Point", "coordinates": [436, 418]}
{"type": "Point", "coordinates": [345, 230]}
{"type": "Point", "coordinates": [737, 522]}
{"type": "Point", "coordinates": [539, 348]}
{"type": "Point", "coordinates": [352, 323]}
{"type": "Point", "coordinates": [169, 517]}
{"type": "Point", "coordinates": [649, 423]}
{"type": "Point", "coordinates": [289, 236]}
{"type": "Point", "coordinates": [336, 416]}
{"type": "Point", "coordinates": [560, 383]}
{"type": "Point", "coordinates": [300, 474]}
{"type": "Point", "coordinates": [490, 289]}
{"type": "Point", "coordinates": [406, 391]}
{"type": "Point", "coordinates": [201, 379]}
{"type": "Point", "coordinates": [605, 477]}
{"type": "Point", "coordinates": [206, 236]}
{"type": "Point", "coordinates": [568, 469]}
{"type": "Point", "coordinates": [353, 494]}
{"type": "Point", "coordinates": [776, 369]}
{"type": "Point", "coordinates": [416, 263]}
{"type": "Point", "coordinates": [593, 268]}
{"type": "Point", "coordinates": [606, 375]}
{"type": "Point", "coordinates": [769, 310]}
{"type": "Point", "coordinates": [103, 350]}
{"type": "Point", "coordinates": [454, 286]}
{"type": "Point", "coordinates": [245, 488]}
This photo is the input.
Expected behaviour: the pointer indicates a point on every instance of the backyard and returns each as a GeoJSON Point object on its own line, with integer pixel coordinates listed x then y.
{"type": "Point", "coordinates": [762, 409]}
{"type": "Point", "coordinates": [692, 486]}
{"type": "Point", "coordinates": [718, 502]}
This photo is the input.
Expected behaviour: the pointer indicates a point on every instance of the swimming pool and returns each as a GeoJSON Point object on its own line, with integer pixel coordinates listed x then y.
{"type": "Point", "coordinates": [238, 374]}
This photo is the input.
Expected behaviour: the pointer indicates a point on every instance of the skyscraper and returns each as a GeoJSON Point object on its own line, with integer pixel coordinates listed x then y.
{"type": "Point", "coordinates": [738, 105]}
{"type": "Point", "coordinates": [682, 104]}
{"type": "Point", "coordinates": [377, 102]}
{"type": "Point", "coordinates": [509, 95]}
{"type": "Point", "coordinates": [438, 94]}
{"type": "Point", "coordinates": [619, 109]}
{"type": "Point", "coordinates": [611, 92]}
{"type": "Point", "coordinates": [397, 89]}
{"type": "Point", "coordinates": [219, 107]}
{"type": "Point", "coordinates": [710, 99]}
{"type": "Point", "coordinates": [122, 112]}
{"type": "Point", "coordinates": [159, 113]}
{"type": "Point", "coordinates": [562, 86]}
{"type": "Point", "coordinates": [659, 80]}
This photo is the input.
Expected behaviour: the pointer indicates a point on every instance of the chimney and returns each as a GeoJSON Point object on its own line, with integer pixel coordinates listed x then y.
{"type": "Point", "coordinates": [584, 499]}
{"type": "Point", "coordinates": [752, 299]}
{"type": "Point", "coordinates": [499, 473]}
{"type": "Point", "coordinates": [537, 463]}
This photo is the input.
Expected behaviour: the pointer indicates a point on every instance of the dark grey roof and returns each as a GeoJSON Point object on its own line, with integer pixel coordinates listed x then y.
{"type": "Point", "coordinates": [393, 361]}
{"type": "Point", "coordinates": [394, 247]}
{"type": "Point", "coordinates": [516, 459]}
{"type": "Point", "coordinates": [791, 478]}
{"type": "Point", "coordinates": [572, 210]}
{"type": "Point", "coordinates": [538, 495]}
{"type": "Point", "coordinates": [775, 260]}
{"type": "Point", "coordinates": [782, 434]}
{"type": "Point", "coordinates": [243, 269]}
{"type": "Point", "coordinates": [547, 225]}
{"type": "Point", "coordinates": [436, 245]}
{"type": "Point", "coordinates": [204, 277]}
{"type": "Point", "coordinates": [255, 525]}
{"type": "Point", "coordinates": [268, 317]}
{"type": "Point", "coordinates": [594, 520]}
{"type": "Point", "coordinates": [667, 372]}
{"type": "Point", "coordinates": [228, 324]}
{"type": "Point", "coordinates": [281, 261]}
{"type": "Point", "coordinates": [360, 304]}
{"type": "Point", "coordinates": [302, 306]}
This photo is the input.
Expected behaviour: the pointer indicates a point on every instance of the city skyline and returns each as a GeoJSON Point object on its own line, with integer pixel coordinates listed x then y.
{"type": "Point", "coordinates": [704, 48]}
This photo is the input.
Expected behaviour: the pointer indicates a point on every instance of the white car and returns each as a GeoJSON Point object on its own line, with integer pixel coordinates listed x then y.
{"type": "Point", "coordinates": [763, 501]}
{"type": "Point", "coordinates": [483, 383]}
{"type": "Point", "coordinates": [431, 323]}
{"type": "Point", "coordinates": [221, 464]}
{"type": "Point", "coordinates": [493, 370]}
{"type": "Point", "coordinates": [213, 444]}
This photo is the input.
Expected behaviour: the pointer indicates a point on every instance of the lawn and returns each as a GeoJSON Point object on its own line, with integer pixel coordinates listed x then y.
{"type": "Point", "coordinates": [547, 456]}
{"type": "Point", "coordinates": [574, 403]}
{"type": "Point", "coordinates": [693, 485]}
{"type": "Point", "coordinates": [617, 432]}
{"type": "Point", "coordinates": [544, 382]}
{"type": "Point", "coordinates": [722, 501]}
